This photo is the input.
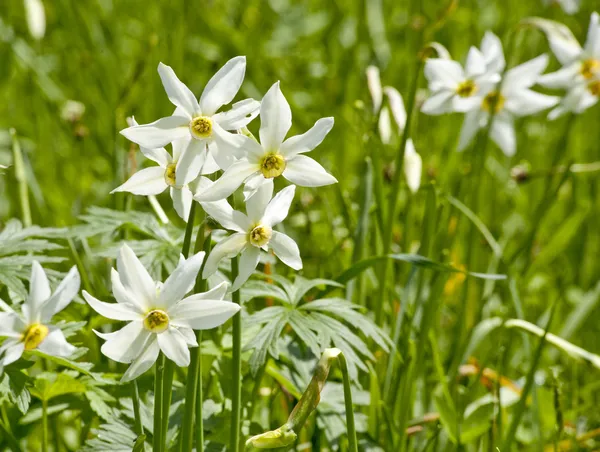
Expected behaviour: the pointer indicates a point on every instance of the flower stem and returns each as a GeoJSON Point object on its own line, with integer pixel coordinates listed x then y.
{"type": "Point", "coordinates": [352, 441]}
{"type": "Point", "coordinates": [21, 179]}
{"type": "Point", "coordinates": [199, 398]}
{"type": "Point", "coordinates": [139, 428]}
{"type": "Point", "coordinates": [158, 389]}
{"type": "Point", "coordinates": [44, 426]}
{"type": "Point", "coordinates": [236, 397]}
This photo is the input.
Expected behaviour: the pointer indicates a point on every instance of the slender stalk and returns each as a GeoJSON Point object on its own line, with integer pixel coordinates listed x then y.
{"type": "Point", "coordinates": [394, 193]}
{"type": "Point", "coordinates": [79, 263]}
{"type": "Point", "coordinates": [158, 389]}
{"type": "Point", "coordinates": [21, 177]}
{"type": "Point", "coordinates": [158, 210]}
{"type": "Point", "coordinates": [139, 427]}
{"type": "Point", "coordinates": [199, 398]}
{"type": "Point", "coordinates": [44, 426]}
{"type": "Point", "coordinates": [351, 429]}
{"type": "Point", "coordinates": [236, 399]}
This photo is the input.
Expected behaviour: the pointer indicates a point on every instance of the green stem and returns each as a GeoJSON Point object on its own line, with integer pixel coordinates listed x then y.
{"type": "Point", "coordinates": [21, 177]}
{"type": "Point", "coordinates": [80, 267]}
{"type": "Point", "coordinates": [352, 441]}
{"type": "Point", "coordinates": [44, 426]}
{"type": "Point", "coordinates": [395, 190]}
{"type": "Point", "coordinates": [199, 398]}
{"type": "Point", "coordinates": [236, 398]}
{"type": "Point", "coordinates": [158, 389]}
{"type": "Point", "coordinates": [139, 427]}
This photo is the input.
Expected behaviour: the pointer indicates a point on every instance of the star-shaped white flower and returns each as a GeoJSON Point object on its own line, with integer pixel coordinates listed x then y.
{"type": "Point", "coordinates": [512, 99]}
{"type": "Point", "coordinates": [197, 122]}
{"type": "Point", "coordinates": [174, 173]}
{"type": "Point", "coordinates": [580, 73]}
{"type": "Point", "coordinates": [32, 329]}
{"type": "Point", "coordinates": [274, 157]}
{"type": "Point", "coordinates": [160, 317]}
{"type": "Point", "coordinates": [454, 89]}
{"type": "Point", "coordinates": [252, 231]}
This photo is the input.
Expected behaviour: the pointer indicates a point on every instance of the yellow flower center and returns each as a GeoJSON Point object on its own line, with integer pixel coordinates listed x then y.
{"type": "Point", "coordinates": [201, 127]}
{"type": "Point", "coordinates": [466, 88]}
{"type": "Point", "coordinates": [34, 336]}
{"type": "Point", "coordinates": [594, 88]}
{"type": "Point", "coordinates": [260, 235]}
{"type": "Point", "coordinates": [170, 174]}
{"type": "Point", "coordinates": [272, 165]}
{"type": "Point", "coordinates": [156, 321]}
{"type": "Point", "coordinates": [589, 68]}
{"type": "Point", "coordinates": [493, 102]}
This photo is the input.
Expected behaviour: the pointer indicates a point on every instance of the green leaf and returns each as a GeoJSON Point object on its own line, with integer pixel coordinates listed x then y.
{"type": "Point", "coordinates": [49, 385]}
{"type": "Point", "coordinates": [448, 415]}
{"type": "Point", "coordinates": [83, 368]}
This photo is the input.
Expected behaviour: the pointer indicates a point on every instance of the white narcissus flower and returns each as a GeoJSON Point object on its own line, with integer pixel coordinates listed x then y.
{"type": "Point", "coordinates": [274, 157]}
{"type": "Point", "coordinates": [252, 232]}
{"type": "Point", "coordinates": [580, 73]}
{"type": "Point", "coordinates": [197, 122]}
{"type": "Point", "coordinates": [160, 316]}
{"type": "Point", "coordinates": [36, 18]}
{"type": "Point", "coordinates": [413, 166]}
{"type": "Point", "coordinates": [512, 99]}
{"type": "Point", "coordinates": [32, 330]}
{"type": "Point", "coordinates": [454, 89]}
{"type": "Point", "coordinates": [174, 173]}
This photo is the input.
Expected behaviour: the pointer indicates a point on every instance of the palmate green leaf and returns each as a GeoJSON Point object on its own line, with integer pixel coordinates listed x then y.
{"type": "Point", "coordinates": [261, 289]}
{"type": "Point", "coordinates": [49, 385]}
{"type": "Point", "coordinates": [266, 340]}
{"type": "Point", "coordinates": [13, 387]}
{"type": "Point", "coordinates": [114, 436]}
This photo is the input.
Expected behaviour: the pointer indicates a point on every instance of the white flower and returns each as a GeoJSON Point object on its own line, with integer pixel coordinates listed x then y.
{"type": "Point", "coordinates": [274, 157]}
{"type": "Point", "coordinates": [36, 18]}
{"type": "Point", "coordinates": [454, 89]}
{"type": "Point", "coordinates": [413, 165]}
{"type": "Point", "coordinates": [160, 317]}
{"type": "Point", "coordinates": [512, 98]}
{"type": "Point", "coordinates": [197, 122]}
{"type": "Point", "coordinates": [568, 6]}
{"type": "Point", "coordinates": [174, 173]}
{"type": "Point", "coordinates": [252, 232]}
{"type": "Point", "coordinates": [32, 330]}
{"type": "Point", "coordinates": [580, 73]}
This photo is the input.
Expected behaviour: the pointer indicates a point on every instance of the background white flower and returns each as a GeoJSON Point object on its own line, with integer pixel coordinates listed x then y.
{"type": "Point", "coordinates": [252, 232]}
{"type": "Point", "coordinates": [274, 157]}
{"type": "Point", "coordinates": [197, 121]}
{"type": "Point", "coordinates": [32, 330]}
{"type": "Point", "coordinates": [36, 18]}
{"type": "Point", "coordinates": [160, 317]}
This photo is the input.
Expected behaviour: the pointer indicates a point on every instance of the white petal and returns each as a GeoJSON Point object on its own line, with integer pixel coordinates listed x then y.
{"type": "Point", "coordinates": [248, 262]}
{"type": "Point", "coordinates": [223, 86]}
{"type": "Point", "coordinates": [180, 282]}
{"type": "Point", "coordinates": [189, 336]}
{"type": "Point", "coordinates": [526, 102]}
{"type": "Point", "coordinates": [115, 311]}
{"type": "Point", "coordinates": [179, 146]}
{"type": "Point", "coordinates": [182, 201]}
{"type": "Point", "coordinates": [563, 78]}
{"type": "Point", "coordinates": [412, 166]}
{"type": "Point", "coordinates": [491, 47]}
{"type": "Point", "coordinates": [592, 42]}
{"type": "Point", "coordinates": [39, 291]}
{"type": "Point", "coordinates": [306, 172]}
{"type": "Point", "coordinates": [471, 125]}
{"type": "Point", "coordinates": [179, 94]}
{"type": "Point", "coordinates": [210, 165]}
{"type": "Point", "coordinates": [56, 344]}
{"type": "Point", "coordinates": [277, 210]}
{"type": "Point", "coordinates": [308, 140]}
{"type": "Point", "coordinates": [222, 211]}
{"type": "Point", "coordinates": [190, 162]}
{"type": "Point", "coordinates": [275, 118]}
{"type": "Point", "coordinates": [134, 276]}
{"type": "Point", "coordinates": [11, 325]}
{"type": "Point", "coordinates": [174, 346]}
{"type": "Point", "coordinates": [227, 146]}
{"type": "Point", "coordinates": [158, 155]}
{"type": "Point", "coordinates": [257, 203]}
{"type": "Point", "coordinates": [465, 104]}
{"type": "Point", "coordinates": [216, 293]}
{"type": "Point", "coordinates": [12, 352]}
{"type": "Point", "coordinates": [36, 18]}
{"type": "Point", "coordinates": [143, 362]}
{"type": "Point", "coordinates": [204, 314]}
{"type": "Point", "coordinates": [374, 85]}
{"type": "Point", "coordinates": [231, 179]}
{"type": "Point", "coordinates": [503, 134]}
{"type": "Point", "coordinates": [126, 344]}
{"type": "Point", "coordinates": [226, 248]}
{"type": "Point", "coordinates": [239, 116]}
{"type": "Point", "coordinates": [384, 124]}
{"type": "Point", "coordinates": [524, 75]}
{"type": "Point", "coordinates": [146, 182]}
{"type": "Point", "coordinates": [253, 183]}
{"type": "Point", "coordinates": [438, 103]}
{"type": "Point", "coordinates": [62, 296]}
{"type": "Point", "coordinates": [475, 64]}
{"type": "Point", "coordinates": [396, 106]}
{"type": "Point", "coordinates": [286, 249]}
{"type": "Point", "coordinates": [124, 296]}
{"type": "Point", "coordinates": [442, 73]}
{"type": "Point", "coordinates": [158, 133]}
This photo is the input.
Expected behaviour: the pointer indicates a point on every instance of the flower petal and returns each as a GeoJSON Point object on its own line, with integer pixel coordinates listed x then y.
{"type": "Point", "coordinates": [158, 155]}
{"type": "Point", "coordinates": [471, 125]}
{"type": "Point", "coordinates": [257, 203]}
{"type": "Point", "coordinates": [491, 47]}
{"type": "Point", "coordinates": [222, 211]}
{"type": "Point", "coordinates": [182, 201]}
{"type": "Point", "coordinates": [503, 134]}
{"type": "Point", "coordinates": [374, 85]}
{"type": "Point", "coordinates": [248, 262]}
{"type": "Point", "coordinates": [181, 281]}
{"type": "Point", "coordinates": [275, 118]}
{"type": "Point", "coordinates": [226, 248]}
{"type": "Point", "coordinates": [306, 172]}
{"type": "Point", "coordinates": [12, 352]}
{"type": "Point", "coordinates": [563, 78]}
{"type": "Point", "coordinates": [135, 277]}
{"type": "Point", "coordinates": [190, 162]}
{"type": "Point", "coordinates": [126, 344]}
{"type": "Point", "coordinates": [524, 75]}
{"type": "Point", "coordinates": [227, 146]}
{"type": "Point", "coordinates": [158, 133]}
{"type": "Point", "coordinates": [189, 336]}
{"type": "Point", "coordinates": [11, 325]}
{"type": "Point", "coordinates": [62, 296]}
{"type": "Point", "coordinates": [179, 94]}
{"type": "Point", "coordinates": [148, 181]}
{"type": "Point", "coordinates": [216, 293]}
{"type": "Point", "coordinates": [286, 249]}
{"type": "Point", "coordinates": [210, 165]}
{"type": "Point", "coordinates": [204, 314]}
{"type": "Point", "coordinates": [438, 103]}
{"type": "Point", "coordinates": [56, 344]}
{"type": "Point", "coordinates": [592, 42]}
{"type": "Point", "coordinates": [253, 183]}
{"type": "Point", "coordinates": [413, 165]}
{"type": "Point", "coordinates": [115, 311]}
{"type": "Point", "coordinates": [223, 86]}
{"type": "Point", "coordinates": [442, 73]}
{"type": "Point", "coordinates": [39, 291]}
{"type": "Point", "coordinates": [231, 179]}
{"type": "Point", "coordinates": [475, 65]}
{"type": "Point", "coordinates": [278, 208]}
{"type": "Point", "coordinates": [308, 140]}
{"type": "Point", "coordinates": [526, 102]}
{"type": "Point", "coordinates": [396, 106]}
{"type": "Point", "coordinates": [174, 346]}
{"type": "Point", "coordinates": [143, 362]}
{"type": "Point", "coordinates": [239, 116]}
